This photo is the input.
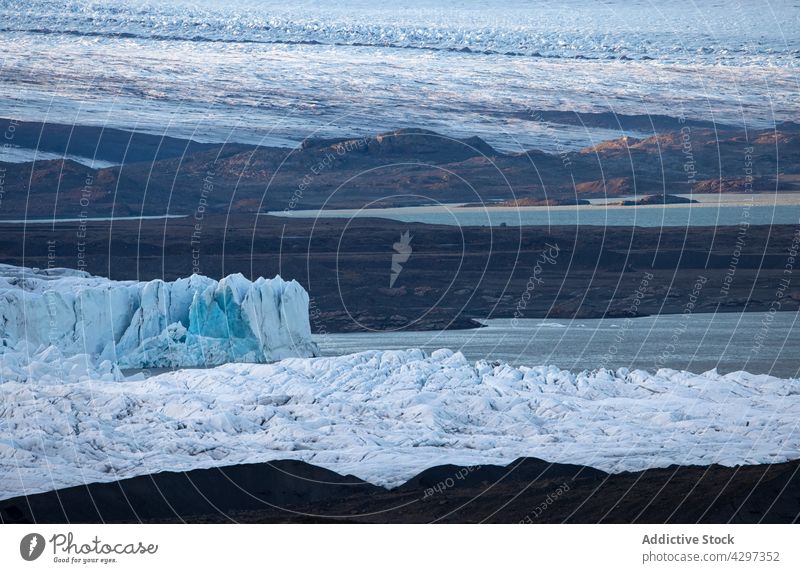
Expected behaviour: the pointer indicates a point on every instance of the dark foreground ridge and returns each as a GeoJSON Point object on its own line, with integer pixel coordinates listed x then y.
{"type": "Point", "coordinates": [528, 490]}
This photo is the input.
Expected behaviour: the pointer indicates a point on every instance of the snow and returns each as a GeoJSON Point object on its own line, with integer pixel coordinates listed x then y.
{"type": "Point", "coordinates": [675, 32]}
{"type": "Point", "coordinates": [636, 57]}
{"type": "Point", "coordinates": [380, 415]}
{"type": "Point", "coordinates": [195, 321]}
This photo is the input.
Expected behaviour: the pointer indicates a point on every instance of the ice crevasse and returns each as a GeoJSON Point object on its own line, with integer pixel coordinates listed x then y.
{"type": "Point", "coordinates": [194, 321]}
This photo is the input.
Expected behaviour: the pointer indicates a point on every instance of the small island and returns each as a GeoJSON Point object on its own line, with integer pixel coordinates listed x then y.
{"type": "Point", "coordinates": [533, 202]}
{"type": "Point", "coordinates": [654, 199]}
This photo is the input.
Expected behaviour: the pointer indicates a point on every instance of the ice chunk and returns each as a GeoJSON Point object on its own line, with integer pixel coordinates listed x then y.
{"type": "Point", "coordinates": [190, 322]}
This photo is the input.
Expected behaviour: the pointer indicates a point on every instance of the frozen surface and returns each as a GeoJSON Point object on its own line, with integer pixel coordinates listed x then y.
{"type": "Point", "coordinates": [384, 416]}
{"type": "Point", "coordinates": [195, 321]}
{"type": "Point", "coordinates": [275, 72]}
{"type": "Point", "coordinates": [759, 32]}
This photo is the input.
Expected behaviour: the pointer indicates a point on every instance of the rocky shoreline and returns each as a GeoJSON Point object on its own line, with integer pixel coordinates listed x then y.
{"type": "Point", "coordinates": [406, 167]}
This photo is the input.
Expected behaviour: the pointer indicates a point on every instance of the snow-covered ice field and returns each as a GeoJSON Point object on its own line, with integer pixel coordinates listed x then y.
{"type": "Point", "coordinates": [273, 72]}
{"type": "Point", "coordinates": [383, 416]}
{"type": "Point", "coordinates": [69, 416]}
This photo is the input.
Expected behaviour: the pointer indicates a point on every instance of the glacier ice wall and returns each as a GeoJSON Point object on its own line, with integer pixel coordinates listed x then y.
{"type": "Point", "coordinates": [196, 321]}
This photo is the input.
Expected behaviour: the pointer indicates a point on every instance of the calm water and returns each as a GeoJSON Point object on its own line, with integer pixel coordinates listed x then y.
{"type": "Point", "coordinates": [727, 341]}
{"type": "Point", "coordinates": [13, 154]}
{"type": "Point", "coordinates": [765, 209]}
{"type": "Point", "coordinates": [53, 221]}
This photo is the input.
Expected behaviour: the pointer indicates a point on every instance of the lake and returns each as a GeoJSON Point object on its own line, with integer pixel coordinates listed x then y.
{"type": "Point", "coordinates": [711, 211]}
{"type": "Point", "coordinates": [756, 342]}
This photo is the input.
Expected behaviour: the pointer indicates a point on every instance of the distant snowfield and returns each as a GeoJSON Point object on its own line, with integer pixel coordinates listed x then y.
{"type": "Point", "coordinates": [380, 415]}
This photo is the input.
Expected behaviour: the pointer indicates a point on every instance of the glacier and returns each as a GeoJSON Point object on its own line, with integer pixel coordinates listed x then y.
{"type": "Point", "coordinates": [383, 416]}
{"type": "Point", "coordinates": [191, 322]}
{"type": "Point", "coordinates": [70, 412]}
